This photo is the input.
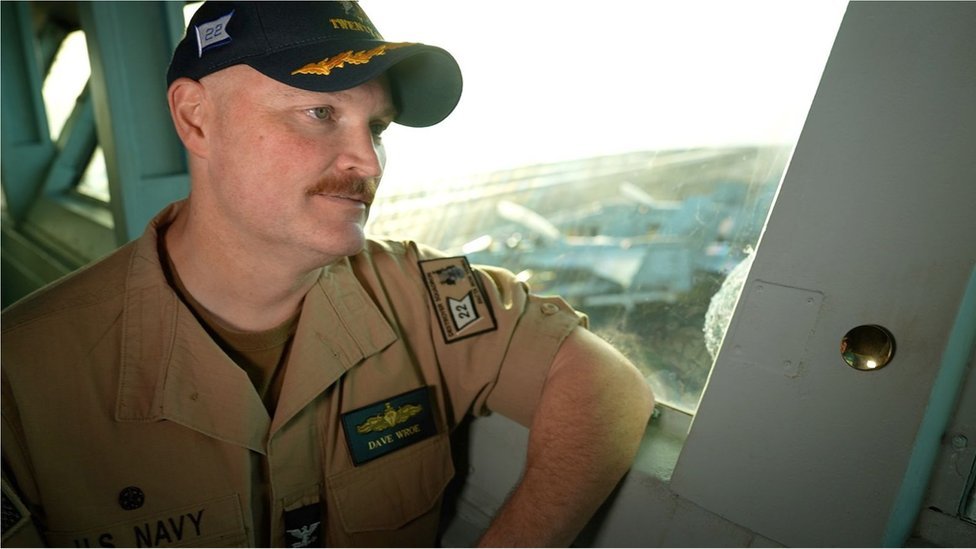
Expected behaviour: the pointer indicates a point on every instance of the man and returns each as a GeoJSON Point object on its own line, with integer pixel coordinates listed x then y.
{"type": "Point", "coordinates": [254, 371]}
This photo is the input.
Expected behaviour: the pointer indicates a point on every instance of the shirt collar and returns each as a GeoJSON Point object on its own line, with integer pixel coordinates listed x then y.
{"type": "Point", "coordinates": [340, 326]}
{"type": "Point", "coordinates": [171, 369]}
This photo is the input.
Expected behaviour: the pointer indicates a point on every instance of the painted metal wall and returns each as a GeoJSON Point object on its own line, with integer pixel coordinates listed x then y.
{"type": "Point", "coordinates": [874, 224]}
{"type": "Point", "coordinates": [48, 228]}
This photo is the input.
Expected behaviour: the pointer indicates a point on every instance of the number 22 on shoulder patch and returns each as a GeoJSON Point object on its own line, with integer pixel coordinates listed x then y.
{"type": "Point", "coordinates": [459, 301]}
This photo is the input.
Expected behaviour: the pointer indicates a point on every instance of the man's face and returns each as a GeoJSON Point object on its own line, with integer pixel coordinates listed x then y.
{"type": "Point", "coordinates": [291, 170]}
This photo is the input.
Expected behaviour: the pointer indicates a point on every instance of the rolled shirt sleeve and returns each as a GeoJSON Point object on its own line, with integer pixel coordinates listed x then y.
{"type": "Point", "coordinates": [502, 365]}
{"type": "Point", "coordinates": [540, 329]}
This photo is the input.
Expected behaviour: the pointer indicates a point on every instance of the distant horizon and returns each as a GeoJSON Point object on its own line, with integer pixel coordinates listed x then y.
{"type": "Point", "coordinates": [461, 179]}
{"type": "Point", "coordinates": [591, 82]}
{"type": "Point", "coordinates": [662, 76]}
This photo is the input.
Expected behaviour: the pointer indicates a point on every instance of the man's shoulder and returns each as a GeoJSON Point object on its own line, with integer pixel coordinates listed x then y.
{"type": "Point", "coordinates": [389, 258]}
{"type": "Point", "coordinates": [408, 251]}
{"type": "Point", "coordinates": [391, 264]}
{"type": "Point", "coordinates": [387, 247]}
{"type": "Point", "coordinates": [64, 300]}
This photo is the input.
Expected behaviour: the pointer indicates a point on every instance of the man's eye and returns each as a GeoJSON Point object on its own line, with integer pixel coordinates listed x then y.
{"type": "Point", "coordinates": [378, 129]}
{"type": "Point", "coordinates": [320, 113]}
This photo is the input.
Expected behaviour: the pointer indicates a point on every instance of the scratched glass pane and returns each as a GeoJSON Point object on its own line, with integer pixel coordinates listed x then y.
{"type": "Point", "coordinates": [617, 238]}
{"type": "Point", "coordinates": [636, 185]}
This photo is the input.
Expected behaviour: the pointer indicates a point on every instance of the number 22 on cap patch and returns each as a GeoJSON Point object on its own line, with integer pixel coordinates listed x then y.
{"type": "Point", "coordinates": [458, 299]}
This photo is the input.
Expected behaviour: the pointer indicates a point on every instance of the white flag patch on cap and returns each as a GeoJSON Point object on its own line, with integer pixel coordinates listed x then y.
{"type": "Point", "coordinates": [212, 34]}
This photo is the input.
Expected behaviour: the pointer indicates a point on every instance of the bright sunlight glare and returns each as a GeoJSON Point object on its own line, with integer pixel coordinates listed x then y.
{"type": "Point", "coordinates": [549, 81]}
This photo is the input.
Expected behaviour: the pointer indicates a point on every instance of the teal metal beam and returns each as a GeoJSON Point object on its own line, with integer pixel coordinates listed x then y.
{"type": "Point", "coordinates": [75, 146]}
{"type": "Point", "coordinates": [941, 405]}
{"type": "Point", "coordinates": [130, 45]}
{"type": "Point", "coordinates": [25, 141]}
{"type": "Point", "coordinates": [47, 42]}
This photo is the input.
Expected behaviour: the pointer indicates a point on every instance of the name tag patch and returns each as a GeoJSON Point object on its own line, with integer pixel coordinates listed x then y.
{"type": "Point", "coordinates": [459, 301]}
{"type": "Point", "coordinates": [378, 429]}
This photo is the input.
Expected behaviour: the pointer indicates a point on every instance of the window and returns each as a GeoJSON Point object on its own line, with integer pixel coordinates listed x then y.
{"type": "Point", "coordinates": [63, 86]}
{"type": "Point", "coordinates": [65, 81]}
{"type": "Point", "coordinates": [622, 156]}
{"type": "Point", "coordinates": [94, 180]}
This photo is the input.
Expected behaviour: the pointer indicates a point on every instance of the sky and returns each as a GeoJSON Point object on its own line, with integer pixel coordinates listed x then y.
{"type": "Point", "coordinates": [546, 81]}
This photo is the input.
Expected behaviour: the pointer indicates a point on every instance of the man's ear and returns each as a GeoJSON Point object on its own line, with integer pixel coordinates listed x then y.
{"type": "Point", "coordinates": [186, 106]}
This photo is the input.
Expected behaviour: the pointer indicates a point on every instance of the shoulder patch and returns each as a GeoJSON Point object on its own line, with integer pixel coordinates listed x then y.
{"type": "Point", "coordinates": [458, 298]}
{"type": "Point", "coordinates": [15, 514]}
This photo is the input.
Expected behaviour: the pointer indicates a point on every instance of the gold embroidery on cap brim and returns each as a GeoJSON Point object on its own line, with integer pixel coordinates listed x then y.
{"type": "Point", "coordinates": [389, 418]}
{"type": "Point", "coordinates": [327, 65]}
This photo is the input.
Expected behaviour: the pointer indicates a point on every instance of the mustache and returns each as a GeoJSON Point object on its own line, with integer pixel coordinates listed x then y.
{"type": "Point", "coordinates": [358, 188]}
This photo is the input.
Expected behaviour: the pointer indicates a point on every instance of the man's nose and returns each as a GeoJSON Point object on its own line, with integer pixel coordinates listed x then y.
{"type": "Point", "coordinates": [362, 153]}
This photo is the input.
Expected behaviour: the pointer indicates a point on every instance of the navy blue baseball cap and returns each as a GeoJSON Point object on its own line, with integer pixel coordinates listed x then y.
{"type": "Point", "coordinates": [318, 46]}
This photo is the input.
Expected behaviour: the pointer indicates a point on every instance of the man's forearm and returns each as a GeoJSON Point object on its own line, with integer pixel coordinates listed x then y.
{"type": "Point", "coordinates": [583, 438]}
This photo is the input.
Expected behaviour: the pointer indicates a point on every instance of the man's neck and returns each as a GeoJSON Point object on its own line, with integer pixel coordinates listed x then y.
{"type": "Point", "coordinates": [244, 289]}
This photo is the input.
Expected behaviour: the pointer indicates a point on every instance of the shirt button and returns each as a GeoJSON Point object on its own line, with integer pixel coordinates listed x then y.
{"type": "Point", "coordinates": [549, 309]}
{"type": "Point", "coordinates": [131, 498]}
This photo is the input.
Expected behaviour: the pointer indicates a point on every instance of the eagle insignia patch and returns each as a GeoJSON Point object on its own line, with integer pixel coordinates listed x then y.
{"type": "Point", "coordinates": [302, 526]}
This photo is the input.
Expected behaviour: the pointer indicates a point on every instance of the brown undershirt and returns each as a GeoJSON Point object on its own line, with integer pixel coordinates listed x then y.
{"type": "Point", "coordinates": [262, 355]}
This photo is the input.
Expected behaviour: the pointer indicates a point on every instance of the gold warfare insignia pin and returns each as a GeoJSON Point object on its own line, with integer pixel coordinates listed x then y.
{"type": "Point", "coordinates": [340, 60]}
{"type": "Point", "coordinates": [459, 301]}
{"type": "Point", "coordinates": [388, 425]}
{"type": "Point", "coordinates": [389, 418]}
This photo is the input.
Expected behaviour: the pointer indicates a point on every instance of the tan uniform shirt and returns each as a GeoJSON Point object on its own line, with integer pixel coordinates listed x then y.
{"type": "Point", "coordinates": [124, 424]}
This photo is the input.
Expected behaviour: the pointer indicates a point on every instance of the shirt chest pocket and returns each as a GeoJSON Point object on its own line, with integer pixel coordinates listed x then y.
{"type": "Point", "coordinates": [390, 493]}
